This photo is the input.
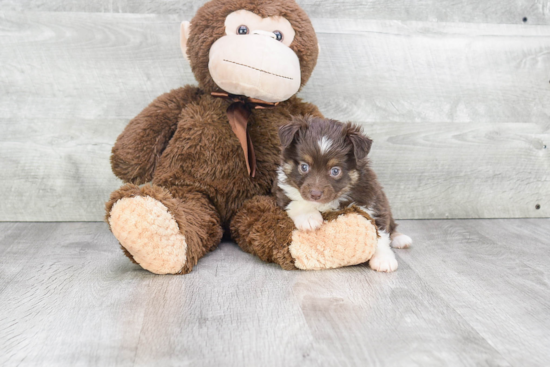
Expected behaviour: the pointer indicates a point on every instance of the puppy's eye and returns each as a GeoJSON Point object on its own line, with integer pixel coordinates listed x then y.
{"type": "Point", "coordinates": [304, 167]}
{"type": "Point", "coordinates": [242, 29]}
{"type": "Point", "coordinates": [335, 171]}
{"type": "Point", "coordinates": [278, 35]}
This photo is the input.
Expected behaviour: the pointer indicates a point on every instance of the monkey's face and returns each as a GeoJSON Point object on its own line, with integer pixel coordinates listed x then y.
{"type": "Point", "coordinates": [254, 59]}
{"type": "Point", "coordinates": [264, 49]}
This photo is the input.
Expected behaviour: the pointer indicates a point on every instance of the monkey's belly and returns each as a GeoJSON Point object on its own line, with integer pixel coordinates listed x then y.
{"type": "Point", "coordinates": [212, 162]}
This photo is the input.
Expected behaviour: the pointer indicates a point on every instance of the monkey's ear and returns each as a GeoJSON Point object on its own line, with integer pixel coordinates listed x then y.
{"type": "Point", "coordinates": [361, 143]}
{"type": "Point", "coordinates": [184, 36]}
{"type": "Point", "coordinates": [288, 132]}
{"type": "Point", "coordinates": [319, 47]}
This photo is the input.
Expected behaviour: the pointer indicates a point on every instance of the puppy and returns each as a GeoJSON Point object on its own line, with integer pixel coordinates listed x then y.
{"type": "Point", "coordinates": [325, 167]}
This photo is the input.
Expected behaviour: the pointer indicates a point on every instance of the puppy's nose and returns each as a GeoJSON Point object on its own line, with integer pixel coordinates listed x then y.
{"type": "Point", "coordinates": [315, 194]}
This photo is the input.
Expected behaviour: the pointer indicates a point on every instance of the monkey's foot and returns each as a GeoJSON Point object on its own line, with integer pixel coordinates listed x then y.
{"type": "Point", "coordinates": [147, 231]}
{"type": "Point", "coordinates": [346, 238]}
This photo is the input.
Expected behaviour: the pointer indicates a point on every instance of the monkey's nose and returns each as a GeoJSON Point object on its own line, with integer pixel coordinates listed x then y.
{"type": "Point", "coordinates": [315, 194]}
{"type": "Point", "coordinates": [264, 33]}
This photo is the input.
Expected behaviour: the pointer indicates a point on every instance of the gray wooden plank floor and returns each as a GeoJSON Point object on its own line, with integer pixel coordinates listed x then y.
{"type": "Point", "coordinates": [469, 293]}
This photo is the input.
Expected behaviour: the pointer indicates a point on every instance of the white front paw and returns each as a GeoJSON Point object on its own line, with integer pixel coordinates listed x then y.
{"type": "Point", "coordinates": [308, 221]}
{"type": "Point", "coordinates": [401, 241]}
{"type": "Point", "coordinates": [383, 261]}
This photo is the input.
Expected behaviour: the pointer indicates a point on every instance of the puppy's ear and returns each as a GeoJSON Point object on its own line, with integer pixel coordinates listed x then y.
{"type": "Point", "coordinates": [288, 132]}
{"type": "Point", "coordinates": [361, 143]}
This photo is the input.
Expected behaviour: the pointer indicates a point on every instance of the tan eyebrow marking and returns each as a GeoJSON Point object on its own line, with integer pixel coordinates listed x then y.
{"type": "Point", "coordinates": [333, 162]}
{"type": "Point", "coordinates": [287, 167]}
{"type": "Point", "coordinates": [354, 175]}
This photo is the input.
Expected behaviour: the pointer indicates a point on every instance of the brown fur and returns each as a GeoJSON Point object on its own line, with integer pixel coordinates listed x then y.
{"type": "Point", "coordinates": [356, 184]}
{"type": "Point", "coordinates": [138, 149]}
{"type": "Point", "coordinates": [263, 229]}
{"type": "Point", "coordinates": [182, 142]}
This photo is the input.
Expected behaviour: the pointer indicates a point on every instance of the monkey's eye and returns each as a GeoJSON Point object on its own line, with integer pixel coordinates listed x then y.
{"type": "Point", "coordinates": [304, 167]}
{"type": "Point", "coordinates": [242, 29]}
{"type": "Point", "coordinates": [335, 171]}
{"type": "Point", "coordinates": [278, 35]}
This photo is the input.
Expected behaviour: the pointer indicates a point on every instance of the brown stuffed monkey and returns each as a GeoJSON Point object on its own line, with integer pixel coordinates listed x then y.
{"type": "Point", "coordinates": [209, 154]}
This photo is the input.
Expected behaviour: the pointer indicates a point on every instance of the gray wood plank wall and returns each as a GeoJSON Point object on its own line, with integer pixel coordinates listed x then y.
{"type": "Point", "coordinates": [455, 96]}
{"type": "Point", "coordinates": [469, 11]}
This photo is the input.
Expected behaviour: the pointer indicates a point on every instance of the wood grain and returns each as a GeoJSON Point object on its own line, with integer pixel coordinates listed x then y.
{"type": "Point", "coordinates": [56, 169]}
{"type": "Point", "coordinates": [425, 72]}
{"type": "Point", "coordinates": [459, 112]}
{"type": "Point", "coordinates": [469, 170]}
{"type": "Point", "coordinates": [71, 302]}
{"type": "Point", "coordinates": [494, 273]}
{"type": "Point", "coordinates": [59, 169]}
{"type": "Point", "coordinates": [464, 295]}
{"type": "Point", "coordinates": [362, 318]}
{"type": "Point", "coordinates": [468, 11]}
{"type": "Point", "coordinates": [16, 241]}
{"type": "Point", "coordinates": [111, 66]}
{"type": "Point", "coordinates": [84, 66]}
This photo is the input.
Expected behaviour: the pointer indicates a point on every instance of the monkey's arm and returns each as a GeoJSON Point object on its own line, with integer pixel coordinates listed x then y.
{"type": "Point", "coordinates": [139, 147]}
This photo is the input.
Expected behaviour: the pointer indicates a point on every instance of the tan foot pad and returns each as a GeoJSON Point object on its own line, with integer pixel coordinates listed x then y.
{"type": "Point", "coordinates": [349, 240]}
{"type": "Point", "coordinates": [145, 228]}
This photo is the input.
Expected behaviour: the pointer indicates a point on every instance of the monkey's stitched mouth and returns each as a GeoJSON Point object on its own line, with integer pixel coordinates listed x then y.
{"type": "Point", "coordinates": [260, 70]}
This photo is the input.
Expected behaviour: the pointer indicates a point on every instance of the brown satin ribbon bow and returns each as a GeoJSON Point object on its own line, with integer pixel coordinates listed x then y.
{"type": "Point", "coordinates": [237, 113]}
